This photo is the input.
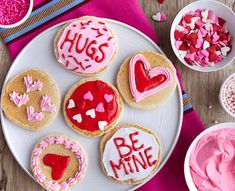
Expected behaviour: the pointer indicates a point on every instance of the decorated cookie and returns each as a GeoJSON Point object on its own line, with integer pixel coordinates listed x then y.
{"type": "Point", "coordinates": [92, 107]}
{"type": "Point", "coordinates": [146, 79]}
{"type": "Point", "coordinates": [86, 45]}
{"type": "Point", "coordinates": [31, 99]}
{"type": "Point", "coordinates": [129, 153]}
{"type": "Point", "coordinates": [58, 163]}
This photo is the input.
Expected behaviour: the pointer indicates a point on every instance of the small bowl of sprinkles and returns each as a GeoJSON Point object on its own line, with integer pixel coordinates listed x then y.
{"type": "Point", "coordinates": [227, 95]}
{"type": "Point", "coordinates": [14, 12]}
{"type": "Point", "coordinates": [203, 35]}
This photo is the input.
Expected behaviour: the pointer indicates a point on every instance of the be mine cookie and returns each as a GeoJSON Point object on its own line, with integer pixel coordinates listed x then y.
{"type": "Point", "coordinates": [86, 45]}
{"type": "Point", "coordinates": [92, 107]}
{"type": "Point", "coordinates": [58, 162]}
{"type": "Point", "coordinates": [146, 79]}
{"type": "Point", "coordinates": [31, 99]}
{"type": "Point", "coordinates": [129, 153]}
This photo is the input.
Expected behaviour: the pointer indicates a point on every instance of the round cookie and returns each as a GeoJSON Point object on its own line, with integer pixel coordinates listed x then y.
{"type": "Point", "coordinates": [92, 107]}
{"type": "Point", "coordinates": [31, 99]}
{"type": "Point", "coordinates": [129, 153]}
{"type": "Point", "coordinates": [146, 80]}
{"type": "Point", "coordinates": [58, 162]}
{"type": "Point", "coordinates": [86, 45]}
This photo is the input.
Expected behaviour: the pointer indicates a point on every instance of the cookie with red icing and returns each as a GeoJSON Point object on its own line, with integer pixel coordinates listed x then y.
{"type": "Point", "coordinates": [129, 153]}
{"type": "Point", "coordinates": [146, 80]}
{"type": "Point", "coordinates": [92, 107]}
{"type": "Point", "coordinates": [58, 162]}
{"type": "Point", "coordinates": [31, 99]}
{"type": "Point", "coordinates": [86, 45]}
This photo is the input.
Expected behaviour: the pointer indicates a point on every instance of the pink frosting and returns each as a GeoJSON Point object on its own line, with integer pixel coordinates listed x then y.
{"type": "Point", "coordinates": [212, 161]}
{"type": "Point", "coordinates": [138, 96]}
{"type": "Point", "coordinates": [34, 116]}
{"type": "Point", "coordinates": [46, 104]}
{"type": "Point", "coordinates": [68, 144]}
{"type": "Point", "coordinates": [30, 85]}
{"type": "Point", "coordinates": [86, 46]}
{"type": "Point", "coordinates": [19, 99]}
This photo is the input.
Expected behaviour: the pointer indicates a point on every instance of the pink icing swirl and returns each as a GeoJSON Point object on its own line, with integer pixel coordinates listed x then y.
{"type": "Point", "coordinates": [139, 96]}
{"type": "Point", "coordinates": [212, 161]}
{"type": "Point", "coordinates": [73, 147]}
{"type": "Point", "coordinates": [86, 46]}
{"type": "Point", "coordinates": [34, 116]}
{"type": "Point", "coordinates": [46, 104]}
{"type": "Point", "coordinates": [30, 85]}
{"type": "Point", "coordinates": [19, 99]}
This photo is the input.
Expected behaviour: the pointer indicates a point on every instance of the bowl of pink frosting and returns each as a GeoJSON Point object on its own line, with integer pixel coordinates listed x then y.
{"type": "Point", "coordinates": [210, 160]}
{"type": "Point", "coordinates": [14, 12]}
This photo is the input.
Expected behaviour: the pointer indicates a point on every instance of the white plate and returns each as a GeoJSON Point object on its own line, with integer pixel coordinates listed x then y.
{"type": "Point", "coordinates": [39, 54]}
{"type": "Point", "coordinates": [187, 173]}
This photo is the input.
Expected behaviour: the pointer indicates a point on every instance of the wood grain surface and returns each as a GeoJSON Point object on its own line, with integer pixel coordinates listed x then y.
{"type": "Point", "coordinates": [203, 88]}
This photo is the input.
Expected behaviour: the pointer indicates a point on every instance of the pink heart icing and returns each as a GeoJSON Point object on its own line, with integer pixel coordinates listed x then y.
{"type": "Point", "coordinates": [34, 116]}
{"type": "Point", "coordinates": [19, 99]}
{"type": "Point", "coordinates": [108, 97]}
{"type": "Point", "coordinates": [138, 96]}
{"type": "Point", "coordinates": [46, 104]}
{"type": "Point", "coordinates": [100, 108]}
{"type": "Point", "coordinates": [30, 85]}
{"type": "Point", "coordinates": [88, 96]}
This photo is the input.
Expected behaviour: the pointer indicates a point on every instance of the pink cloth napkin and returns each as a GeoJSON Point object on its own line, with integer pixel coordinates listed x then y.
{"type": "Point", "coordinates": [171, 176]}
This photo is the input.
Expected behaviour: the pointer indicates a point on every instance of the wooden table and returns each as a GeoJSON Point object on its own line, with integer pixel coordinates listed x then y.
{"type": "Point", "coordinates": [203, 88]}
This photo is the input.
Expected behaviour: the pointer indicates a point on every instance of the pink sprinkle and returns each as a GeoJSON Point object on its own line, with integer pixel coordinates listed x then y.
{"type": "Point", "coordinates": [12, 11]}
{"type": "Point", "coordinates": [160, 17]}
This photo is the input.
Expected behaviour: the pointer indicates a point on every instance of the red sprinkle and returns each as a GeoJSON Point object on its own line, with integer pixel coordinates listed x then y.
{"type": "Point", "coordinates": [12, 11]}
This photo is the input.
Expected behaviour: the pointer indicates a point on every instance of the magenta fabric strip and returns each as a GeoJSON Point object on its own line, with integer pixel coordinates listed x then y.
{"type": "Point", "coordinates": [171, 177]}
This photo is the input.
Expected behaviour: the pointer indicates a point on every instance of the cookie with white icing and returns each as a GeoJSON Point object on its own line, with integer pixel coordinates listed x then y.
{"type": "Point", "coordinates": [58, 162]}
{"type": "Point", "coordinates": [86, 45]}
{"type": "Point", "coordinates": [31, 99]}
{"type": "Point", "coordinates": [129, 153]}
{"type": "Point", "coordinates": [92, 107]}
{"type": "Point", "coordinates": [146, 80]}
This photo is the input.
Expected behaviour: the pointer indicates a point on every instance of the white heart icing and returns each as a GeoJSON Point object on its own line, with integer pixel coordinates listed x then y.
{"type": "Point", "coordinates": [71, 104]}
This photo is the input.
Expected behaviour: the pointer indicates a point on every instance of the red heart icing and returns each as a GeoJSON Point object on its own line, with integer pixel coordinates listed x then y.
{"type": "Point", "coordinates": [58, 164]}
{"type": "Point", "coordinates": [145, 81]}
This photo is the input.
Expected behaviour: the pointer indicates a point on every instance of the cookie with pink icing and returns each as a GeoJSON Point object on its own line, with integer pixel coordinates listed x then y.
{"type": "Point", "coordinates": [86, 45]}
{"type": "Point", "coordinates": [31, 99]}
{"type": "Point", "coordinates": [146, 80]}
{"type": "Point", "coordinates": [58, 162]}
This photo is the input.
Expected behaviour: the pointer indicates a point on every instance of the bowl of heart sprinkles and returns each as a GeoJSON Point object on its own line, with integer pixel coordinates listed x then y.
{"type": "Point", "coordinates": [14, 12]}
{"type": "Point", "coordinates": [203, 35]}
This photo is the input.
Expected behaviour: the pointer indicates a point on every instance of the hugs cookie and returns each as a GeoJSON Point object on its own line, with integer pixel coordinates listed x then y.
{"type": "Point", "coordinates": [92, 107]}
{"type": "Point", "coordinates": [86, 45]}
{"type": "Point", "coordinates": [129, 153]}
{"type": "Point", "coordinates": [58, 162]}
{"type": "Point", "coordinates": [146, 79]}
{"type": "Point", "coordinates": [31, 99]}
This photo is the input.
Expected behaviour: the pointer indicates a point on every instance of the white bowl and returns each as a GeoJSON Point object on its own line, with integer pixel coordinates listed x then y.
{"type": "Point", "coordinates": [187, 173]}
{"type": "Point", "coordinates": [220, 10]}
{"type": "Point", "coordinates": [23, 19]}
{"type": "Point", "coordinates": [220, 96]}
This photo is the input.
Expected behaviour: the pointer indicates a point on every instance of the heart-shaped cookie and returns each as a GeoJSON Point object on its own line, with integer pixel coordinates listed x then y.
{"type": "Point", "coordinates": [145, 81]}
{"type": "Point", "coordinates": [57, 163]}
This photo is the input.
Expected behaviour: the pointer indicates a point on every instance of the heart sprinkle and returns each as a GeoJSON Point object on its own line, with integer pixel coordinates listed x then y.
{"type": "Point", "coordinates": [71, 104]}
{"type": "Point", "coordinates": [202, 38]}
{"type": "Point", "coordinates": [19, 99]}
{"type": "Point", "coordinates": [102, 124]}
{"type": "Point", "coordinates": [160, 17]}
{"type": "Point", "coordinates": [46, 104]}
{"type": "Point", "coordinates": [100, 108]}
{"type": "Point", "coordinates": [34, 116]}
{"type": "Point", "coordinates": [30, 85]}
{"type": "Point", "coordinates": [91, 113]}
{"type": "Point", "coordinates": [88, 96]}
{"type": "Point", "coordinates": [78, 118]}
{"type": "Point", "coordinates": [108, 97]}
